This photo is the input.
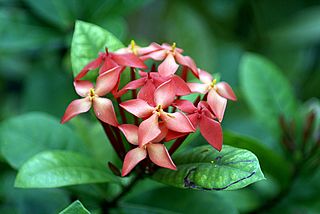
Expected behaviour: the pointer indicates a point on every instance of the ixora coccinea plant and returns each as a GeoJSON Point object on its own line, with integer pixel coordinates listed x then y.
{"type": "Point", "coordinates": [151, 102]}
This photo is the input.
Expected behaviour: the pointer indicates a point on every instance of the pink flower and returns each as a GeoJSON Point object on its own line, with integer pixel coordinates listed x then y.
{"type": "Point", "coordinates": [170, 55]}
{"type": "Point", "coordinates": [203, 118]}
{"type": "Point", "coordinates": [103, 107]}
{"type": "Point", "coordinates": [137, 50]}
{"type": "Point", "coordinates": [148, 83]}
{"type": "Point", "coordinates": [218, 93]}
{"type": "Point", "coordinates": [163, 97]}
{"type": "Point", "coordinates": [109, 60]}
{"type": "Point", "coordinates": [156, 151]}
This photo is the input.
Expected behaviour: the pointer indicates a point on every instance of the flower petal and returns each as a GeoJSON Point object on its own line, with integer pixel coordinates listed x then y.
{"type": "Point", "coordinates": [103, 109]}
{"type": "Point", "coordinates": [151, 48]}
{"type": "Point", "coordinates": [188, 62]}
{"type": "Point", "coordinates": [129, 60]}
{"type": "Point", "coordinates": [82, 87]}
{"type": "Point", "coordinates": [198, 87]}
{"type": "Point", "coordinates": [164, 131]}
{"type": "Point", "coordinates": [131, 86]}
{"type": "Point", "coordinates": [132, 158]}
{"type": "Point", "coordinates": [159, 155]}
{"type": "Point", "coordinates": [76, 107]}
{"type": "Point", "coordinates": [146, 93]}
{"type": "Point", "coordinates": [217, 104]}
{"type": "Point", "coordinates": [225, 90]}
{"type": "Point", "coordinates": [164, 94]}
{"type": "Point", "coordinates": [138, 107]}
{"type": "Point", "coordinates": [156, 55]}
{"type": "Point", "coordinates": [177, 122]}
{"type": "Point", "coordinates": [107, 65]}
{"type": "Point", "coordinates": [168, 66]}
{"type": "Point", "coordinates": [181, 86]}
{"type": "Point", "coordinates": [205, 77]}
{"type": "Point", "coordinates": [211, 130]}
{"type": "Point", "coordinates": [148, 130]}
{"type": "Point", "coordinates": [130, 132]}
{"type": "Point", "coordinates": [171, 135]}
{"type": "Point", "coordinates": [185, 106]}
{"type": "Point", "coordinates": [107, 81]}
{"type": "Point", "coordinates": [94, 64]}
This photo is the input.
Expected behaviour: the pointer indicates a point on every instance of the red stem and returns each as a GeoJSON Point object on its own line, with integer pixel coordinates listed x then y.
{"type": "Point", "coordinates": [117, 146]}
{"type": "Point", "coordinates": [177, 144]}
{"type": "Point", "coordinates": [122, 113]}
{"type": "Point", "coordinates": [184, 74]}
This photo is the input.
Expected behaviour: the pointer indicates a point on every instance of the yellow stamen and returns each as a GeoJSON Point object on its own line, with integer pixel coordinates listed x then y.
{"type": "Point", "coordinates": [158, 109]}
{"type": "Point", "coordinates": [213, 83]}
{"type": "Point", "coordinates": [133, 47]}
{"type": "Point", "coordinates": [173, 46]}
{"type": "Point", "coordinates": [91, 94]}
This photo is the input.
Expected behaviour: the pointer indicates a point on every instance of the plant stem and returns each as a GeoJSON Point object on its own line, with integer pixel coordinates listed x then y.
{"type": "Point", "coordinates": [122, 113]}
{"type": "Point", "coordinates": [106, 205]}
{"type": "Point", "coordinates": [177, 144]}
{"type": "Point", "coordinates": [117, 146]}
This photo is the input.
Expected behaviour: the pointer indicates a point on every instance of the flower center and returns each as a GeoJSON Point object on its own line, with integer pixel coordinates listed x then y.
{"type": "Point", "coordinates": [134, 47]}
{"type": "Point", "coordinates": [173, 47]}
{"type": "Point", "coordinates": [158, 109]}
{"type": "Point", "coordinates": [213, 83]}
{"type": "Point", "coordinates": [92, 94]}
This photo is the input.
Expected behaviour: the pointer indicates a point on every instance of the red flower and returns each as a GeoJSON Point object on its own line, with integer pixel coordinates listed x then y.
{"type": "Point", "coordinates": [149, 128]}
{"type": "Point", "coordinates": [203, 118]}
{"type": "Point", "coordinates": [170, 55]}
{"type": "Point", "coordinates": [109, 60]}
{"type": "Point", "coordinates": [156, 151]}
{"type": "Point", "coordinates": [103, 107]}
{"type": "Point", "coordinates": [218, 93]}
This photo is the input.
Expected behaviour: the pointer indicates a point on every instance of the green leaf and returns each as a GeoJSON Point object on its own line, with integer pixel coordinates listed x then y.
{"type": "Point", "coordinates": [207, 169]}
{"type": "Point", "coordinates": [60, 168]}
{"type": "Point", "coordinates": [24, 136]}
{"type": "Point", "coordinates": [75, 208]}
{"type": "Point", "coordinates": [16, 22]}
{"type": "Point", "coordinates": [25, 200]}
{"type": "Point", "coordinates": [58, 12]}
{"type": "Point", "coordinates": [88, 40]}
{"type": "Point", "coordinates": [302, 29]}
{"type": "Point", "coordinates": [271, 162]}
{"type": "Point", "coordinates": [266, 90]}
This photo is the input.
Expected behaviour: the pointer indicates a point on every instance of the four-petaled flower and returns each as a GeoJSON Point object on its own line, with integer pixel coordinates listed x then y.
{"type": "Point", "coordinates": [218, 93]}
{"type": "Point", "coordinates": [202, 117]}
{"type": "Point", "coordinates": [156, 151]}
{"type": "Point", "coordinates": [149, 129]}
{"type": "Point", "coordinates": [109, 60]}
{"type": "Point", "coordinates": [170, 55]}
{"type": "Point", "coordinates": [103, 107]}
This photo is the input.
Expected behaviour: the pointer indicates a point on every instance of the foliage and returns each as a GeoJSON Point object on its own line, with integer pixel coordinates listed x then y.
{"type": "Point", "coordinates": [268, 52]}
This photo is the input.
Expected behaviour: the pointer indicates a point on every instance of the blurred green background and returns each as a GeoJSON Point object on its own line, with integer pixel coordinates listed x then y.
{"type": "Point", "coordinates": [35, 75]}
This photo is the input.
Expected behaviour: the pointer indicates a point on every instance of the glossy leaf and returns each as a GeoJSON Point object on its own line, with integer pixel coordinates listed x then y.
{"type": "Point", "coordinates": [205, 168]}
{"type": "Point", "coordinates": [271, 162]}
{"type": "Point", "coordinates": [266, 90]}
{"type": "Point", "coordinates": [75, 208]}
{"type": "Point", "coordinates": [24, 136]}
{"type": "Point", "coordinates": [88, 40]}
{"type": "Point", "coordinates": [61, 168]}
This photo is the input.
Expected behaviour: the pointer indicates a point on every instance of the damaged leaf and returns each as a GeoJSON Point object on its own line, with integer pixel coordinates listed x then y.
{"type": "Point", "coordinates": [207, 169]}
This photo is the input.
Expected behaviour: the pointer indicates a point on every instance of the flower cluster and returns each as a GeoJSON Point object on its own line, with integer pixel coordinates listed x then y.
{"type": "Point", "coordinates": [160, 115]}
